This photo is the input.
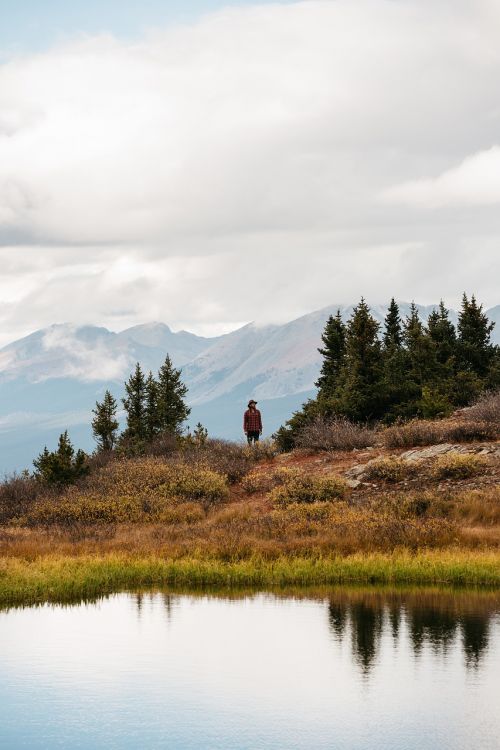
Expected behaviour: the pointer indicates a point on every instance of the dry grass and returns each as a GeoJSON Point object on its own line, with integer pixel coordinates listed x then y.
{"type": "Point", "coordinates": [458, 466]}
{"type": "Point", "coordinates": [304, 487]}
{"type": "Point", "coordinates": [334, 434]}
{"type": "Point", "coordinates": [486, 410]}
{"type": "Point", "coordinates": [391, 469]}
{"type": "Point", "coordinates": [423, 432]}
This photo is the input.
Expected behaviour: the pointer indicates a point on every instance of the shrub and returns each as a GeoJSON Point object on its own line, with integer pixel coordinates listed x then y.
{"type": "Point", "coordinates": [305, 488]}
{"type": "Point", "coordinates": [390, 469]}
{"type": "Point", "coordinates": [130, 491]}
{"type": "Point", "coordinates": [190, 483]}
{"type": "Point", "coordinates": [421, 432]}
{"type": "Point", "coordinates": [233, 460]}
{"type": "Point", "coordinates": [258, 481]}
{"type": "Point", "coordinates": [486, 409]}
{"type": "Point", "coordinates": [17, 495]}
{"type": "Point", "coordinates": [409, 434]}
{"type": "Point", "coordinates": [468, 432]}
{"type": "Point", "coordinates": [458, 466]}
{"type": "Point", "coordinates": [334, 434]}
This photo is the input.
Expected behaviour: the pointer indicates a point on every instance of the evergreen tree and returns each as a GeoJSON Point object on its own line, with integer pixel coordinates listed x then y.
{"type": "Point", "coordinates": [394, 362]}
{"type": "Point", "coordinates": [152, 419]}
{"type": "Point", "coordinates": [172, 409]}
{"type": "Point", "coordinates": [62, 466]}
{"type": "Point", "coordinates": [361, 390]}
{"type": "Point", "coordinates": [475, 350]}
{"type": "Point", "coordinates": [333, 353]}
{"type": "Point", "coordinates": [419, 350]}
{"type": "Point", "coordinates": [135, 405]}
{"type": "Point", "coordinates": [200, 434]}
{"type": "Point", "coordinates": [104, 424]}
{"type": "Point", "coordinates": [393, 335]}
{"type": "Point", "coordinates": [443, 335]}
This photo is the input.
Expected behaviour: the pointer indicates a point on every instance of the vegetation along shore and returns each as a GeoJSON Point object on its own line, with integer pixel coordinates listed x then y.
{"type": "Point", "coordinates": [335, 497]}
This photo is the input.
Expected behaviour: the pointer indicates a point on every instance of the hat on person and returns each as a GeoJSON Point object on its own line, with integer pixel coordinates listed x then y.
{"type": "Point", "coordinates": [251, 402]}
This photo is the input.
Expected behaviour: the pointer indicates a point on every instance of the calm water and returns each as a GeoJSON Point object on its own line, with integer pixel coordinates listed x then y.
{"type": "Point", "coordinates": [343, 669]}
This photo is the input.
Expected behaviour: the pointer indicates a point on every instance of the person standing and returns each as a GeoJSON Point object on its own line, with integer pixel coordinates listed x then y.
{"type": "Point", "coordinates": [252, 423]}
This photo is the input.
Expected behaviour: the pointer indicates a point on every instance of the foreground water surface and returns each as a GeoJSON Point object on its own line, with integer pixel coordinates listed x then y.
{"type": "Point", "coordinates": [334, 669]}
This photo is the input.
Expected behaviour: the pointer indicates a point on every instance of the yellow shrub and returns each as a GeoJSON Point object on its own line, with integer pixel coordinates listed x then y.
{"type": "Point", "coordinates": [458, 466]}
{"type": "Point", "coordinates": [390, 469]}
{"type": "Point", "coordinates": [192, 483]}
{"type": "Point", "coordinates": [307, 488]}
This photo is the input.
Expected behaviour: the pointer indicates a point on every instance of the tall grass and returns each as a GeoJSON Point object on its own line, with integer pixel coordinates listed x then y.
{"type": "Point", "coordinates": [69, 579]}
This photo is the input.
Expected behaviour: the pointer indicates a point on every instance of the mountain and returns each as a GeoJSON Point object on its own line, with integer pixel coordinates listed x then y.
{"type": "Point", "coordinates": [51, 379]}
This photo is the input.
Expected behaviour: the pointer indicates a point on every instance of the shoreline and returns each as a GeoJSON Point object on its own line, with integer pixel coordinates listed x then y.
{"type": "Point", "coordinates": [66, 578]}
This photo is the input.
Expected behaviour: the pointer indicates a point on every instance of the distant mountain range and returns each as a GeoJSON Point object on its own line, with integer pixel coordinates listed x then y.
{"type": "Point", "coordinates": [51, 379]}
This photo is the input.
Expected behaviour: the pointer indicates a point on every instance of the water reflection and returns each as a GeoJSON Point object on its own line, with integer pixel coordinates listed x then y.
{"type": "Point", "coordinates": [435, 620]}
{"type": "Point", "coordinates": [371, 669]}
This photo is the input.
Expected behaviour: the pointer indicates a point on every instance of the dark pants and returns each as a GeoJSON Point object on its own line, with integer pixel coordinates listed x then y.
{"type": "Point", "coordinates": [253, 437]}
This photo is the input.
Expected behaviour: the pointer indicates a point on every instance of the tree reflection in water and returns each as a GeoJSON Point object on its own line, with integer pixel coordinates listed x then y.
{"type": "Point", "coordinates": [431, 619]}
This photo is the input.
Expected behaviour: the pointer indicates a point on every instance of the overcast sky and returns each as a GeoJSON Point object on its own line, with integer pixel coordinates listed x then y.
{"type": "Point", "coordinates": [237, 161]}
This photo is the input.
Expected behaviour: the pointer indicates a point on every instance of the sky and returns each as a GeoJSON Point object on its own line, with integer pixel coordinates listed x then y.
{"type": "Point", "coordinates": [210, 163]}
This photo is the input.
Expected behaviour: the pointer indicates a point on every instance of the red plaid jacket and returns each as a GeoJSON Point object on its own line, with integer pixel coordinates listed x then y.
{"type": "Point", "coordinates": [252, 421]}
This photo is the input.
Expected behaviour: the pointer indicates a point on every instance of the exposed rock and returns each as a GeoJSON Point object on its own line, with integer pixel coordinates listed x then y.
{"type": "Point", "coordinates": [353, 483]}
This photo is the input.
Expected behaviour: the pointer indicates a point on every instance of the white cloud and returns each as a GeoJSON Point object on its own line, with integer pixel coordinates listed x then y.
{"type": "Point", "coordinates": [474, 182]}
{"type": "Point", "coordinates": [155, 180]}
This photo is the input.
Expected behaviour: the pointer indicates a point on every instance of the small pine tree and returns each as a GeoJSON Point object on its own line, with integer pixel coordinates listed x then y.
{"type": "Point", "coordinates": [62, 466]}
{"type": "Point", "coordinates": [333, 353]}
{"type": "Point", "coordinates": [200, 434]}
{"type": "Point", "coordinates": [135, 405]}
{"type": "Point", "coordinates": [105, 424]}
{"type": "Point", "coordinates": [172, 409]}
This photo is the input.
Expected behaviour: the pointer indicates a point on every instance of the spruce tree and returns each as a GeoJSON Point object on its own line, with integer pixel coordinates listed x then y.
{"type": "Point", "coordinates": [104, 424]}
{"type": "Point", "coordinates": [172, 409]}
{"type": "Point", "coordinates": [135, 405]}
{"type": "Point", "coordinates": [393, 335]}
{"type": "Point", "coordinates": [361, 391]}
{"type": "Point", "coordinates": [443, 335]}
{"type": "Point", "coordinates": [62, 466]}
{"type": "Point", "coordinates": [475, 350]}
{"type": "Point", "coordinates": [333, 352]}
{"type": "Point", "coordinates": [393, 362]}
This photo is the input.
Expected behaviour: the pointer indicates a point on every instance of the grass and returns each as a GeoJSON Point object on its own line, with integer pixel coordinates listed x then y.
{"type": "Point", "coordinates": [56, 578]}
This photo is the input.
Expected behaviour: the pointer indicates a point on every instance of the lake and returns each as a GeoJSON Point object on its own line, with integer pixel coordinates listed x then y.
{"type": "Point", "coordinates": [339, 669]}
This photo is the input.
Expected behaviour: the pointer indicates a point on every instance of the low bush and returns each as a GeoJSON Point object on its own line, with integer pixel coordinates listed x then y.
{"type": "Point", "coordinates": [233, 460]}
{"type": "Point", "coordinates": [18, 493]}
{"type": "Point", "coordinates": [189, 483]}
{"type": "Point", "coordinates": [258, 481]}
{"type": "Point", "coordinates": [132, 491]}
{"type": "Point", "coordinates": [486, 409]}
{"type": "Point", "coordinates": [410, 434]}
{"type": "Point", "coordinates": [334, 434]}
{"type": "Point", "coordinates": [473, 431]}
{"type": "Point", "coordinates": [390, 469]}
{"type": "Point", "coordinates": [306, 488]}
{"type": "Point", "coordinates": [458, 466]}
{"type": "Point", "coordinates": [421, 432]}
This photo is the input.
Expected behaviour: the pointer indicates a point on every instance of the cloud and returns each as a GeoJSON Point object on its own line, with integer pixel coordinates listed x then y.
{"type": "Point", "coordinates": [231, 169]}
{"type": "Point", "coordinates": [474, 182]}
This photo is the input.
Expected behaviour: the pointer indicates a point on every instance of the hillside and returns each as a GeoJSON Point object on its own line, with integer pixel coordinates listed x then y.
{"type": "Point", "coordinates": [51, 379]}
{"type": "Point", "coordinates": [224, 513]}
